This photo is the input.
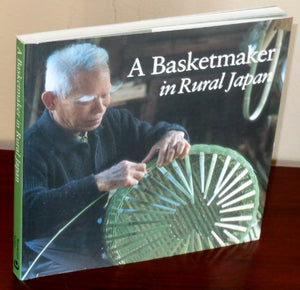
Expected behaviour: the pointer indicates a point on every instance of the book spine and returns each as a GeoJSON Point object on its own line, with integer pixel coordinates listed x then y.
{"type": "Point", "coordinates": [18, 181]}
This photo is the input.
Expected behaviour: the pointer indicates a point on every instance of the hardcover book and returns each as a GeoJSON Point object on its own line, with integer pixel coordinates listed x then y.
{"type": "Point", "coordinates": [144, 140]}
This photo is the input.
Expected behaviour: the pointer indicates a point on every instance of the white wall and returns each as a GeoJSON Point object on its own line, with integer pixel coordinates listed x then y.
{"type": "Point", "coordinates": [18, 17]}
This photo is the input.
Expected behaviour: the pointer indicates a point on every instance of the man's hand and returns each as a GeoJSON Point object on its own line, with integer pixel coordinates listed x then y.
{"type": "Point", "coordinates": [123, 174]}
{"type": "Point", "coordinates": [171, 145]}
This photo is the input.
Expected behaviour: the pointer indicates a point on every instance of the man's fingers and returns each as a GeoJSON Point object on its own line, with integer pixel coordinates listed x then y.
{"type": "Point", "coordinates": [186, 150]}
{"type": "Point", "coordinates": [170, 154]}
{"type": "Point", "coordinates": [173, 145]}
{"type": "Point", "coordinates": [179, 149]}
{"type": "Point", "coordinates": [123, 174]}
{"type": "Point", "coordinates": [150, 155]}
{"type": "Point", "coordinates": [140, 166]}
{"type": "Point", "coordinates": [137, 173]}
{"type": "Point", "coordinates": [162, 154]}
{"type": "Point", "coordinates": [183, 149]}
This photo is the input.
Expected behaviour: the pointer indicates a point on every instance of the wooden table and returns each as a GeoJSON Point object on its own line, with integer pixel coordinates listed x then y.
{"type": "Point", "coordinates": [271, 263]}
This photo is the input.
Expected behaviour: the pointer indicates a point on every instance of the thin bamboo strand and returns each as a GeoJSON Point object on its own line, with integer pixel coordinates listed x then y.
{"type": "Point", "coordinates": [146, 203]}
{"type": "Point", "coordinates": [231, 237]}
{"type": "Point", "coordinates": [218, 239]}
{"type": "Point", "coordinates": [180, 174]}
{"type": "Point", "coordinates": [236, 191]}
{"type": "Point", "coordinates": [222, 174]}
{"type": "Point", "coordinates": [210, 174]}
{"type": "Point", "coordinates": [244, 196]}
{"type": "Point", "coordinates": [229, 176]}
{"type": "Point", "coordinates": [234, 182]}
{"type": "Point", "coordinates": [231, 227]}
{"type": "Point", "coordinates": [172, 193]}
{"type": "Point", "coordinates": [173, 180]}
{"type": "Point", "coordinates": [161, 197]}
{"type": "Point", "coordinates": [237, 218]}
{"type": "Point", "coordinates": [238, 208]}
{"type": "Point", "coordinates": [190, 176]}
{"type": "Point", "coordinates": [202, 171]}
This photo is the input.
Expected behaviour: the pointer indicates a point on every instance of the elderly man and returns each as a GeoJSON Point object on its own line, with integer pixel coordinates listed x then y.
{"type": "Point", "coordinates": [78, 150]}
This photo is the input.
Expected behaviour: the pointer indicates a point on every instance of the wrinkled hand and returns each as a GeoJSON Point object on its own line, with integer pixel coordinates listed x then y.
{"type": "Point", "coordinates": [171, 146]}
{"type": "Point", "coordinates": [123, 174]}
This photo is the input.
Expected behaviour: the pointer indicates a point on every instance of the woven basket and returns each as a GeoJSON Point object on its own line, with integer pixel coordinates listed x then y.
{"type": "Point", "coordinates": [208, 200]}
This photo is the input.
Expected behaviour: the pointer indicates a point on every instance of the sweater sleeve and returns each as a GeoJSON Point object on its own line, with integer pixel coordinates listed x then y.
{"type": "Point", "coordinates": [47, 207]}
{"type": "Point", "coordinates": [141, 136]}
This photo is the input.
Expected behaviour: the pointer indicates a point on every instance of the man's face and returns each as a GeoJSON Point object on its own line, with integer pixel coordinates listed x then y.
{"type": "Point", "coordinates": [83, 109]}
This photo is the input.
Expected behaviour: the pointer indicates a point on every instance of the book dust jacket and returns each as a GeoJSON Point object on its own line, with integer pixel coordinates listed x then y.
{"type": "Point", "coordinates": [193, 110]}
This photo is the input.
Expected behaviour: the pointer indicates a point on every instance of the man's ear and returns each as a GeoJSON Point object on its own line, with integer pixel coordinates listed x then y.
{"type": "Point", "coordinates": [48, 99]}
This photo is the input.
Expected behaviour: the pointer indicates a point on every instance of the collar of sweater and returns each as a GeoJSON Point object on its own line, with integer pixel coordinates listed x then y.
{"type": "Point", "coordinates": [61, 138]}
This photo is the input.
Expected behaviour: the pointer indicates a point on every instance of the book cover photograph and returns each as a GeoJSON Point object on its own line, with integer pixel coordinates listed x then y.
{"type": "Point", "coordinates": [146, 143]}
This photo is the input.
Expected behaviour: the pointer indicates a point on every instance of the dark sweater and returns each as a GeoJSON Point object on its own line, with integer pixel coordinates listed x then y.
{"type": "Point", "coordinates": [59, 177]}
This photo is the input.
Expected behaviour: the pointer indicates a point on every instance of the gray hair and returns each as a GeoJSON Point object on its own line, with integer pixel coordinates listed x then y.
{"type": "Point", "coordinates": [63, 65]}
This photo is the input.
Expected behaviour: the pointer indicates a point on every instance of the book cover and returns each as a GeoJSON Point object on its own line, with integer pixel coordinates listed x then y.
{"type": "Point", "coordinates": [144, 140]}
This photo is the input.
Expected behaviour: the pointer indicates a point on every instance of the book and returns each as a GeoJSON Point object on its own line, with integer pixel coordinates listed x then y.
{"type": "Point", "coordinates": [183, 109]}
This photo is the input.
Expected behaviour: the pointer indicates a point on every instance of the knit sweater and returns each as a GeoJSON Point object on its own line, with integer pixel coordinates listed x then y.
{"type": "Point", "coordinates": [59, 176]}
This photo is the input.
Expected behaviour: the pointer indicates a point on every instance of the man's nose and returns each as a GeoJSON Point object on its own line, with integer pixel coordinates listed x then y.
{"type": "Point", "coordinates": [99, 105]}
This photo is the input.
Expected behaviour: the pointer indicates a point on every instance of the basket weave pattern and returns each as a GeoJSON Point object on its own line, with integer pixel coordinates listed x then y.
{"type": "Point", "coordinates": [208, 200]}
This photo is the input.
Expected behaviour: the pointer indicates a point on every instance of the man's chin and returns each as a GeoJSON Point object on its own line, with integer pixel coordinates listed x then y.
{"type": "Point", "coordinates": [93, 128]}
{"type": "Point", "coordinates": [92, 125]}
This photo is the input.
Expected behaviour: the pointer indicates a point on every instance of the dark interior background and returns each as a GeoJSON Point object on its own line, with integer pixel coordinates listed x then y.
{"type": "Point", "coordinates": [211, 117]}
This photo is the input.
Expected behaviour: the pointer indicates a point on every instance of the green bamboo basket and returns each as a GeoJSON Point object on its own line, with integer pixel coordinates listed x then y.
{"type": "Point", "coordinates": [207, 200]}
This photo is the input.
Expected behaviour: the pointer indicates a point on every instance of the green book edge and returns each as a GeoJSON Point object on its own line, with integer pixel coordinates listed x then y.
{"type": "Point", "coordinates": [18, 170]}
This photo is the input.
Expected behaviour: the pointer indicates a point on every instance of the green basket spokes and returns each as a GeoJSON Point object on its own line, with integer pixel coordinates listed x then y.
{"type": "Point", "coordinates": [208, 200]}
